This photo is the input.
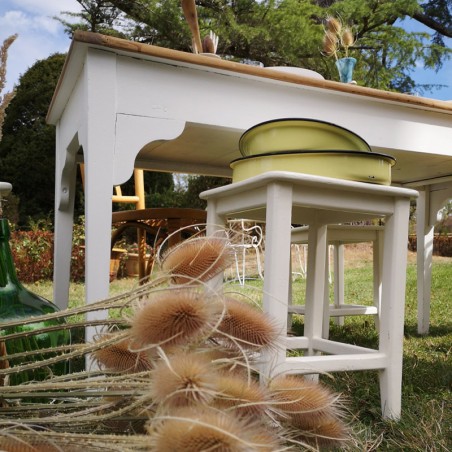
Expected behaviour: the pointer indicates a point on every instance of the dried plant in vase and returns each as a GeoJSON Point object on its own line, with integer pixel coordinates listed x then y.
{"type": "Point", "coordinates": [337, 41]}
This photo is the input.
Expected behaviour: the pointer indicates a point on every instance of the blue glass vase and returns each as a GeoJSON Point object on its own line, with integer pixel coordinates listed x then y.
{"type": "Point", "coordinates": [345, 67]}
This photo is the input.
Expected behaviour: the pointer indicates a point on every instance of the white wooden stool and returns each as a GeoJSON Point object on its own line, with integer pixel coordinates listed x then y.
{"type": "Point", "coordinates": [282, 199]}
{"type": "Point", "coordinates": [338, 236]}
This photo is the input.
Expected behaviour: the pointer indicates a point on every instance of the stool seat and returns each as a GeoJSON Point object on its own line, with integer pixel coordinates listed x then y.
{"type": "Point", "coordinates": [283, 198]}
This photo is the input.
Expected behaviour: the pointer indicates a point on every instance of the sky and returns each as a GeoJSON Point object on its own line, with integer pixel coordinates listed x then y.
{"type": "Point", "coordinates": [40, 36]}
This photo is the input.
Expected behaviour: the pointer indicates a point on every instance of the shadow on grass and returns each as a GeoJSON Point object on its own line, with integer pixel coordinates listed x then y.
{"type": "Point", "coordinates": [434, 331]}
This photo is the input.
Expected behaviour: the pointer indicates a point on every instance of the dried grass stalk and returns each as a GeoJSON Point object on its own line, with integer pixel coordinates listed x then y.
{"type": "Point", "coordinates": [6, 98]}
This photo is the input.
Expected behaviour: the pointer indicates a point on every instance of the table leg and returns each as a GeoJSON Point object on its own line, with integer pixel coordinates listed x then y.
{"type": "Point", "coordinates": [424, 253]}
{"type": "Point", "coordinates": [66, 171]}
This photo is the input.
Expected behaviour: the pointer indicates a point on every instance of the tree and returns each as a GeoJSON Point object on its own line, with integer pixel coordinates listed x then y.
{"type": "Point", "coordinates": [97, 16]}
{"type": "Point", "coordinates": [289, 32]}
{"type": "Point", "coordinates": [27, 150]}
{"type": "Point", "coordinates": [437, 15]}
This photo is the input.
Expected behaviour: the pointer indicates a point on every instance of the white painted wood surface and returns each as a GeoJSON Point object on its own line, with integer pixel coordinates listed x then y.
{"type": "Point", "coordinates": [284, 198]}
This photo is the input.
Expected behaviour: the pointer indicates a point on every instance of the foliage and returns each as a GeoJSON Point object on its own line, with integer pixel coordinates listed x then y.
{"type": "Point", "coordinates": [197, 184]}
{"type": "Point", "coordinates": [289, 32]}
{"type": "Point", "coordinates": [98, 16]}
{"type": "Point", "coordinates": [78, 251]}
{"type": "Point", "coordinates": [32, 251]}
{"type": "Point", "coordinates": [27, 150]}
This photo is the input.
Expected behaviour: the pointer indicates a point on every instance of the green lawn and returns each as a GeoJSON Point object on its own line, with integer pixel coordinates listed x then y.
{"type": "Point", "coordinates": [426, 423]}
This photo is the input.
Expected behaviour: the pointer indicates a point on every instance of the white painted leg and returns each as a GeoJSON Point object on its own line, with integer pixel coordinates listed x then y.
{"type": "Point", "coordinates": [98, 141]}
{"type": "Point", "coordinates": [290, 297]}
{"type": "Point", "coordinates": [277, 266]}
{"type": "Point", "coordinates": [425, 234]}
{"type": "Point", "coordinates": [338, 280]}
{"type": "Point", "coordinates": [215, 223]}
{"type": "Point", "coordinates": [326, 294]}
{"type": "Point", "coordinates": [377, 272]}
{"type": "Point", "coordinates": [393, 308]}
{"type": "Point", "coordinates": [65, 175]}
{"type": "Point", "coordinates": [315, 281]}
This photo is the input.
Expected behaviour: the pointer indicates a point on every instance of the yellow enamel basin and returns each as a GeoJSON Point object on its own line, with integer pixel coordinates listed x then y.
{"type": "Point", "coordinates": [296, 134]}
{"type": "Point", "coordinates": [340, 164]}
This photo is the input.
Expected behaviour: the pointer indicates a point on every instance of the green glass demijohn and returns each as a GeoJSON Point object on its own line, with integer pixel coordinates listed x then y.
{"type": "Point", "coordinates": [16, 303]}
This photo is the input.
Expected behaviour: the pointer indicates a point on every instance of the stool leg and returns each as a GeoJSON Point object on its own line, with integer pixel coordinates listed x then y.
{"type": "Point", "coordinates": [377, 271]}
{"type": "Point", "coordinates": [392, 308]}
{"type": "Point", "coordinates": [326, 296]}
{"type": "Point", "coordinates": [315, 281]}
{"type": "Point", "coordinates": [214, 225]}
{"type": "Point", "coordinates": [339, 280]}
{"type": "Point", "coordinates": [290, 297]}
{"type": "Point", "coordinates": [277, 268]}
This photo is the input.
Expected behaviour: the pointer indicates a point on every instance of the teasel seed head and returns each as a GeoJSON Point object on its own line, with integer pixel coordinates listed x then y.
{"type": "Point", "coordinates": [197, 260]}
{"type": "Point", "coordinates": [347, 38]}
{"type": "Point", "coordinates": [333, 25]}
{"type": "Point", "coordinates": [174, 316]}
{"type": "Point", "coordinates": [246, 397]}
{"type": "Point", "coordinates": [330, 43]}
{"type": "Point", "coordinates": [248, 325]}
{"type": "Point", "coordinates": [328, 433]}
{"type": "Point", "coordinates": [16, 445]}
{"type": "Point", "coordinates": [203, 429]}
{"type": "Point", "coordinates": [120, 357]}
{"type": "Point", "coordinates": [183, 379]}
{"type": "Point", "coordinates": [308, 406]}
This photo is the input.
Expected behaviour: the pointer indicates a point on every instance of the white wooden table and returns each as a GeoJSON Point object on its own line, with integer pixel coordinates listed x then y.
{"type": "Point", "coordinates": [120, 104]}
